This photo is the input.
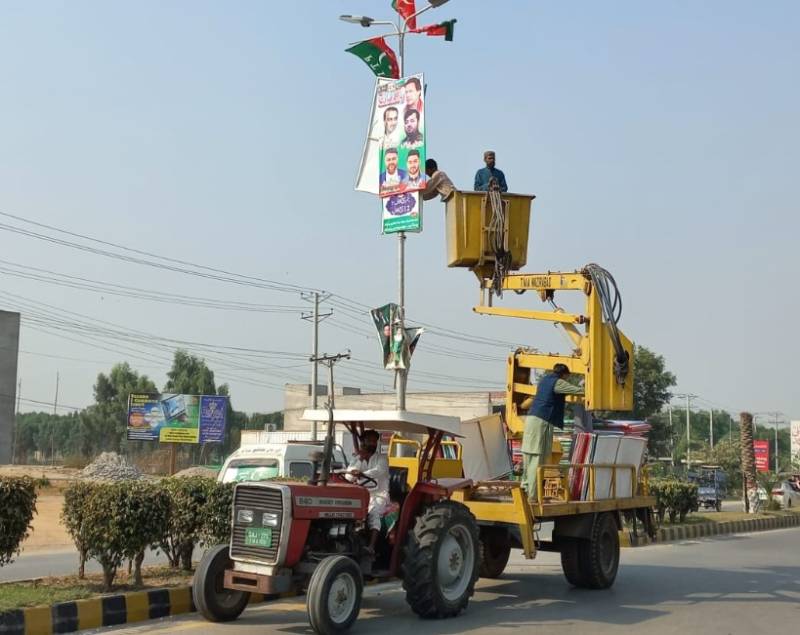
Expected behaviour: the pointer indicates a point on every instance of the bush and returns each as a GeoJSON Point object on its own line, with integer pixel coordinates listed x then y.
{"type": "Point", "coordinates": [120, 520]}
{"type": "Point", "coordinates": [188, 499]}
{"type": "Point", "coordinates": [217, 515]}
{"type": "Point", "coordinates": [674, 498]}
{"type": "Point", "coordinates": [17, 506]}
{"type": "Point", "coordinates": [73, 516]}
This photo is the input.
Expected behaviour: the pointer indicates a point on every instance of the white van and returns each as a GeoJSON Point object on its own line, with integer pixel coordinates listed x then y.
{"type": "Point", "coordinates": [286, 458]}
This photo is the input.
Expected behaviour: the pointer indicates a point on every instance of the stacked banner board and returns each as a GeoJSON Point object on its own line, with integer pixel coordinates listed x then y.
{"type": "Point", "coordinates": [609, 449]}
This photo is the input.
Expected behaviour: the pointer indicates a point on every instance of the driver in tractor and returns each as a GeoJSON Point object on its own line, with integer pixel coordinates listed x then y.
{"type": "Point", "coordinates": [370, 463]}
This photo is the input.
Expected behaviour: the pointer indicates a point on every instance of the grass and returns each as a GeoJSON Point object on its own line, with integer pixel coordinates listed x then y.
{"type": "Point", "coordinates": [44, 591]}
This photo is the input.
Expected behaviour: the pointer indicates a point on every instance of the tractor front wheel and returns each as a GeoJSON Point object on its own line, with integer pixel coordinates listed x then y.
{"type": "Point", "coordinates": [212, 599]}
{"type": "Point", "coordinates": [441, 560]}
{"type": "Point", "coordinates": [334, 595]}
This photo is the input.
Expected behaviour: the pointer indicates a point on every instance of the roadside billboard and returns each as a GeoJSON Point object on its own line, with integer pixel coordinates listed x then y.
{"type": "Point", "coordinates": [794, 431]}
{"type": "Point", "coordinates": [173, 418]}
{"type": "Point", "coordinates": [761, 450]}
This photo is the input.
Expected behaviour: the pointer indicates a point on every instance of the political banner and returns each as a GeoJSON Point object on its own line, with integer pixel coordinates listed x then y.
{"type": "Point", "coordinates": [761, 450]}
{"type": "Point", "coordinates": [794, 431]}
{"type": "Point", "coordinates": [402, 213]}
{"type": "Point", "coordinates": [399, 108]}
{"type": "Point", "coordinates": [397, 344]}
{"type": "Point", "coordinates": [173, 418]}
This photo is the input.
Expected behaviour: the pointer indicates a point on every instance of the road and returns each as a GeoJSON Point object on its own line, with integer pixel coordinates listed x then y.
{"type": "Point", "coordinates": [735, 584]}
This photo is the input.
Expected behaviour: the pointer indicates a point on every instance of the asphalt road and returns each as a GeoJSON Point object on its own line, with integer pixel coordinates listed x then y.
{"type": "Point", "coordinates": [734, 584]}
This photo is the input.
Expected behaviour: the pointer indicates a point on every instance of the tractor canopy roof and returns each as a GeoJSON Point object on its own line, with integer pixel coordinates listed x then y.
{"type": "Point", "coordinates": [390, 420]}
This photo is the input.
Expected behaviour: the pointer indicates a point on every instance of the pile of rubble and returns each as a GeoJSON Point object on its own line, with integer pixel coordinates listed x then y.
{"type": "Point", "coordinates": [197, 471]}
{"type": "Point", "coordinates": [110, 466]}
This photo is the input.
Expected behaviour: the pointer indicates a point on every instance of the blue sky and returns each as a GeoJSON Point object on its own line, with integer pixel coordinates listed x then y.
{"type": "Point", "coordinates": [660, 139]}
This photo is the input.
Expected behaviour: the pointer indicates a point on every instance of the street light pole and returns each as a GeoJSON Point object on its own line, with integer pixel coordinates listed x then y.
{"type": "Point", "coordinates": [401, 29]}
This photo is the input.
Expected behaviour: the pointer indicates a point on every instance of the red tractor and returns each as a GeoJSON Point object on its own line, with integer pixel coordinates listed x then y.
{"type": "Point", "coordinates": [313, 536]}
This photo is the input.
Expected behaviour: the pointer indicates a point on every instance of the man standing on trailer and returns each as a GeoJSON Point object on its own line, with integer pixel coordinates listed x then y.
{"type": "Point", "coordinates": [546, 411]}
{"type": "Point", "coordinates": [372, 464]}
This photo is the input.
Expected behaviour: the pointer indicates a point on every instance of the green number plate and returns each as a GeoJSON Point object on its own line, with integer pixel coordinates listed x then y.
{"type": "Point", "coordinates": [258, 536]}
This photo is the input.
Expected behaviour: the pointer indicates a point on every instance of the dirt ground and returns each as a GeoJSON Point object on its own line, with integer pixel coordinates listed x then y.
{"type": "Point", "coordinates": [48, 533]}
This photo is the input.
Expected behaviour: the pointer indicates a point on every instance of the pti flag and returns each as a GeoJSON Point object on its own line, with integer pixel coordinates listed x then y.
{"type": "Point", "coordinates": [397, 343]}
{"type": "Point", "coordinates": [443, 29]}
{"type": "Point", "coordinates": [407, 11]}
{"type": "Point", "coordinates": [377, 54]}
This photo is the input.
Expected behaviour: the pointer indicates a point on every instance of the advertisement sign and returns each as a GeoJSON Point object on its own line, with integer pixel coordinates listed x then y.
{"type": "Point", "coordinates": [399, 108]}
{"type": "Point", "coordinates": [794, 432]}
{"type": "Point", "coordinates": [402, 213]}
{"type": "Point", "coordinates": [761, 450]}
{"type": "Point", "coordinates": [397, 344]}
{"type": "Point", "coordinates": [176, 418]}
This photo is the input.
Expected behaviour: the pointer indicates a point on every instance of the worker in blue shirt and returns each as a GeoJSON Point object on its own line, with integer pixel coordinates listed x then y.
{"type": "Point", "coordinates": [484, 175]}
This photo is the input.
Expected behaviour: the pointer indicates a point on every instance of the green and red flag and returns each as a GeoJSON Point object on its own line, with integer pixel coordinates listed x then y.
{"type": "Point", "coordinates": [406, 8]}
{"type": "Point", "coordinates": [444, 29]}
{"type": "Point", "coordinates": [379, 56]}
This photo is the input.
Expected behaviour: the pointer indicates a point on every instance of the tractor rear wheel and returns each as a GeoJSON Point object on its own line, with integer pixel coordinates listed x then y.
{"type": "Point", "coordinates": [441, 560]}
{"type": "Point", "coordinates": [495, 550]}
{"type": "Point", "coordinates": [212, 599]}
{"type": "Point", "coordinates": [334, 595]}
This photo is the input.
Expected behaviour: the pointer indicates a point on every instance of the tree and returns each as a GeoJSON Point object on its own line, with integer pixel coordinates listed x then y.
{"type": "Point", "coordinates": [190, 375]}
{"type": "Point", "coordinates": [651, 383]}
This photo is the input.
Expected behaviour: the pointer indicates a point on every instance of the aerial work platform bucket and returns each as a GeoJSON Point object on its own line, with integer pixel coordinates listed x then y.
{"type": "Point", "coordinates": [468, 217]}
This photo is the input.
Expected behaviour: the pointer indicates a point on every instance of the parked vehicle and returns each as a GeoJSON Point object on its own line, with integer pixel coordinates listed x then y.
{"type": "Point", "coordinates": [787, 493]}
{"type": "Point", "coordinates": [712, 486]}
{"type": "Point", "coordinates": [264, 461]}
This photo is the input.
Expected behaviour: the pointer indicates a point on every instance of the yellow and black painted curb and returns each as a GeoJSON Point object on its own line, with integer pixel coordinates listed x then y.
{"type": "Point", "coordinates": [111, 610]}
{"type": "Point", "coordinates": [704, 530]}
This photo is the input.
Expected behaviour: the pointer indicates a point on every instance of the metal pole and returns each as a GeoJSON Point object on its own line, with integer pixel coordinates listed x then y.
{"type": "Point", "coordinates": [315, 364]}
{"type": "Point", "coordinates": [53, 428]}
{"type": "Point", "coordinates": [776, 442]}
{"type": "Point", "coordinates": [400, 374]}
{"type": "Point", "coordinates": [671, 437]}
{"type": "Point", "coordinates": [688, 437]}
{"type": "Point", "coordinates": [711, 426]}
{"type": "Point", "coordinates": [16, 422]}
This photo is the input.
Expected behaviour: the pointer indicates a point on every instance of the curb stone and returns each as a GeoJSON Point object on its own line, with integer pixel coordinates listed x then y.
{"type": "Point", "coordinates": [704, 530]}
{"type": "Point", "coordinates": [111, 610]}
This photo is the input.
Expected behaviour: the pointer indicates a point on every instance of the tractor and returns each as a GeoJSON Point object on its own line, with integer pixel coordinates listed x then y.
{"type": "Point", "coordinates": [313, 536]}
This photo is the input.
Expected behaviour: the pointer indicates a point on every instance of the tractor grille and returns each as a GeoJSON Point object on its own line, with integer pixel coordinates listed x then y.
{"type": "Point", "coordinates": [256, 500]}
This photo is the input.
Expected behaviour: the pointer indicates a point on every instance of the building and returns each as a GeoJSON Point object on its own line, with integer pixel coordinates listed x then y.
{"type": "Point", "coordinates": [9, 351]}
{"type": "Point", "coordinates": [465, 405]}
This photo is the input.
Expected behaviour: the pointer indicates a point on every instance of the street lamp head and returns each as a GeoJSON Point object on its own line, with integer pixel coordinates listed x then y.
{"type": "Point", "coordinates": [437, 3]}
{"type": "Point", "coordinates": [357, 19]}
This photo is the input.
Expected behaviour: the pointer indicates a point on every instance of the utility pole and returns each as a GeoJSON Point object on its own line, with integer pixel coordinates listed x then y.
{"type": "Point", "coordinates": [711, 426]}
{"type": "Point", "coordinates": [315, 318]}
{"type": "Point", "coordinates": [671, 437]}
{"type": "Point", "coordinates": [53, 428]}
{"type": "Point", "coordinates": [16, 423]}
{"type": "Point", "coordinates": [688, 398]}
{"type": "Point", "coordinates": [329, 361]}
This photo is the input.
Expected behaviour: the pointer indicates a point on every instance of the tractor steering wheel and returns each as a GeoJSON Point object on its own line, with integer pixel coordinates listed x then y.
{"type": "Point", "coordinates": [361, 479]}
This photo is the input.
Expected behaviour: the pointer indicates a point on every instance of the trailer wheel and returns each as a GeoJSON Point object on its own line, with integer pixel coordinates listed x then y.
{"type": "Point", "coordinates": [495, 550]}
{"type": "Point", "coordinates": [571, 562]}
{"type": "Point", "coordinates": [599, 555]}
{"type": "Point", "coordinates": [441, 560]}
{"type": "Point", "coordinates": [334, 595]}
{"type": "Point", "coordinates": [212, 599]}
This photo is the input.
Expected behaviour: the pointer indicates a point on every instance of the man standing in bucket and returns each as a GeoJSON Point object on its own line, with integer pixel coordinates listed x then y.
{"type": "Point", "coordinates": [546, 411]}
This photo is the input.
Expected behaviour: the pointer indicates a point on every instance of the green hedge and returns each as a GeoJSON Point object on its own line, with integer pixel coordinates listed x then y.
{"type": "Point", "coordinates": [17, 506]}
{"type": "Point", "coordinates": [674, 498]}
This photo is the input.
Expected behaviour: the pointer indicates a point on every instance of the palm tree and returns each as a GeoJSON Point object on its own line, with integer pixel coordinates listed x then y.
{"type": "Point", "coordinates": [748, 463]}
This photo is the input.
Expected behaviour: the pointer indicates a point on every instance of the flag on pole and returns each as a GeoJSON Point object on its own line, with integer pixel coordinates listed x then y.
{"type": "Point", "coordinates": [378, 55]}
{"type": "Point", "coordinates": [406, 8]}
{"type": "Point", "coordinates": [445, 29]}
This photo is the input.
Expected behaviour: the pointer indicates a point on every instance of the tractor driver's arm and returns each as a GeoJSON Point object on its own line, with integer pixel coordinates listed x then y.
{"type": "Point", "coordinates": [378, 467]}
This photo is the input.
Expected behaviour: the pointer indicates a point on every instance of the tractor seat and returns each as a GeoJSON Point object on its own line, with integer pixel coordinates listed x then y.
{"type": "Point", "coordinates": [398, 484]}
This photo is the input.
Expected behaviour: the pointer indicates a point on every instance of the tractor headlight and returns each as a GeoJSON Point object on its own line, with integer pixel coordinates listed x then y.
{"type": "Point", "coordinates": [270, 519]}
{"type": "Point", "coordinates": [244, 516]}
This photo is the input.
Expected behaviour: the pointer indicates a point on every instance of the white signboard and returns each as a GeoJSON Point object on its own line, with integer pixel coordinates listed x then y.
{"type": "Point", "coordinates": [795, 433]}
